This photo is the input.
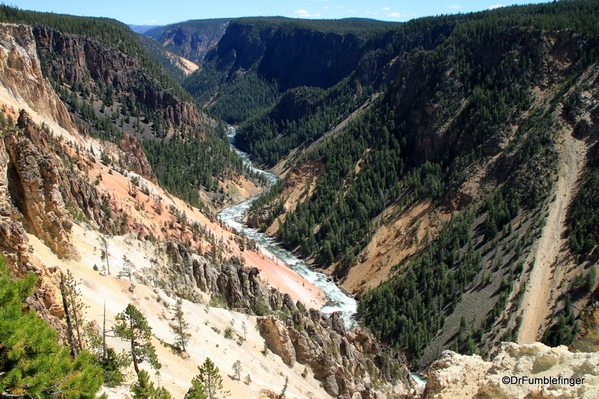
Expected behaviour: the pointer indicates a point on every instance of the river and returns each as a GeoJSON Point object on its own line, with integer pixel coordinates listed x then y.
{"type": "Point", "coordinates": [233, 216]}
{"type": "Point", "coordinates": [338, 300]}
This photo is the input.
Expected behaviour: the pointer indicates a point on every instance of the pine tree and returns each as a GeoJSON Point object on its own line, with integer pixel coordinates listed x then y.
{"type": "Point", "coordinates": [162, 393]}
{"type": "Point", "coordinates": [143, 387]}
{"type": "Point", "coordinates": [126, 271]}
{"type": "Point", "coordinates": [105, 254]}
{"type": "Point", "coordinates": [237, 369]}
{"type": "Point", "coordinates": [112, 363]}
{"type": "Point", "coordinates": [70, 330]}
{"type": "Point", "coordinates": [282, 394]}
{"type": "Point", "coordinates": [132, 326]}
{"type": "Point", "coordinates": [180, 327]}
{"type": "Point", "coordinates": [207, 384]}
{"type": "Point", "coordinates": [73, 307]}
{"type": "Point", "coordinates": [32, 363]}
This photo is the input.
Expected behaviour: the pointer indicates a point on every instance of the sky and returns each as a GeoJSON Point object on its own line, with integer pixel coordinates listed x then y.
{"type": "Point", "coordinates": [164, 12]}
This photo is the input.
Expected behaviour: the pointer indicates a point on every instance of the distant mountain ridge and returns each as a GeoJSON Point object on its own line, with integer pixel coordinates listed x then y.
{"type": "Point", "coordinates": [190, 39]}
{"type": "Point", "coordinates": [142, 28]}
{"type": "Point", "coordinates": [258, 59]}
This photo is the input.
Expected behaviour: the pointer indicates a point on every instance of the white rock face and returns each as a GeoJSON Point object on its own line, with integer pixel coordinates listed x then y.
{"type": "Point", "coordinates": [21, 76]}
{"type": "Point", "coordinates": [518, 371]}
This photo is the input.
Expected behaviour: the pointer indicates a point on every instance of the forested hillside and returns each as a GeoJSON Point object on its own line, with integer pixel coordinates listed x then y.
{"type": "Point", "coordinates": [468, 118]}
{"type": "Point", "coordinates": [115, 87]}
{"type": "Point", "coordinates": [251, 66]}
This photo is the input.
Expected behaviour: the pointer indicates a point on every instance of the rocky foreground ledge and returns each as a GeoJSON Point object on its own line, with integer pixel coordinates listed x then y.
{"type": "Point", "coordinates": [518, 371]}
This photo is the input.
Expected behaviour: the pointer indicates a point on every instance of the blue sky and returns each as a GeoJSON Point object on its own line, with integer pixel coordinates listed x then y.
{"type": "Point", "coordinates": [163, 12]}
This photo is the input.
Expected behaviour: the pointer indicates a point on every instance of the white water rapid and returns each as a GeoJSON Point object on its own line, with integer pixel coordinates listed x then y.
{"type": "Point", "coordinates": [233, 217]}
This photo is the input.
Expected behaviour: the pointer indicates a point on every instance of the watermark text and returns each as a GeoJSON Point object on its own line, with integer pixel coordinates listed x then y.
{"type": "Point", "coordinates": [526, 380]}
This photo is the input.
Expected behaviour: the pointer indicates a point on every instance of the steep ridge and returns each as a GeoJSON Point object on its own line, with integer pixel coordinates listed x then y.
{"type": "Point", "coordinates": [178, 66]}
{"type": "Point", "coordinates": [251, 67]}
{"type": "Point", "coordinates": [22, 76]}
{"type": "Point", "coordinates": [80, 60]}
{"type": "Point", "coordinates": [113, 86]}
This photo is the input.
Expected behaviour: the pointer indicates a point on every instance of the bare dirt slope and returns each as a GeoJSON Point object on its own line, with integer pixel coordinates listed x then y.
{"type": "Point", "coordinates": [537, 298]}
{"type": "Point", "coordinates": [395, 241]}
{"type": "Point", "coordinates": [207, 326]}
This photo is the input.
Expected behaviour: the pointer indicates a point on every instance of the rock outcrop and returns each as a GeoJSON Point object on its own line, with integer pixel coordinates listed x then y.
{"type": "Point", "coordinates": [21, 75]}
{"type": "Point", "coordinates": [277, 338]}
{"type": "Point", "coordinates": [133, 158]}
{"type": "Point", "coordinates": [29, 197]}
{"type": "Point", "coordinates": [518, 371]}
{"type": "Point", "coordinates": [347, 362]}
{"type": "Point", "coordinates": [33, 181]}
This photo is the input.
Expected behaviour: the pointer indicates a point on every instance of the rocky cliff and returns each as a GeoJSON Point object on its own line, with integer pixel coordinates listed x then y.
{"type": "Point", "coordinates": [191, 40]}
{"type": "Point", "coordinates": [44, 179]}
{"type": "Point", "coordinates": [34, 185]}
{"type": "Point", "coordinates": [318, 59]}
{"type": "Point", "coordinates": [21, 74]}
{"type": "Point", "coordinates": [347, 362]}
{"type": "Point", "coordinates": [80, 60]}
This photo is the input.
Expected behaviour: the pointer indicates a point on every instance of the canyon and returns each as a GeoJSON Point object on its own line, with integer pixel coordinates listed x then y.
{"type": "Point", "coordinates": [442, 172]}
{"type": "Point", "coordinates": [60, 203]}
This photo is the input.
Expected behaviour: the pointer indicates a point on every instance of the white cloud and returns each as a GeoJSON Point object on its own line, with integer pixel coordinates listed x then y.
{"type": "Point", "coordinates": [151, 22]}
{"type": "Point", "coordinates": [352, 11]}
{"type": "Point", "coordinates": [340, 6]}
{"type": "Point", "coordinates": [371, 12]}
{"type": "Point", "coordinates": [386, 8]}
{"type": "Point", "coordinates": [327, 8]}
{"type": "Point", "coordinates": [455, 6]}
{"type": "Point", "coordinates": [395, 15]}
{"type": "Point", "coordinates": [496, 6]}
{"type": "Point", "coordinates": [305, 14]}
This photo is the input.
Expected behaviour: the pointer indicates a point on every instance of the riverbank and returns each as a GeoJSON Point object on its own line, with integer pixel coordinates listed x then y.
{"type": "Point", "coordinates": [276, 273]}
